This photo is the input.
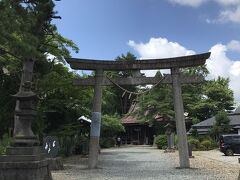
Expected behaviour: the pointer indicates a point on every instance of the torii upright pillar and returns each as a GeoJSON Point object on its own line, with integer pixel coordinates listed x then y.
{"type": "Point", "coordinates": [96, 120]}
{"type": "Point", "coordinates": [179, 118]}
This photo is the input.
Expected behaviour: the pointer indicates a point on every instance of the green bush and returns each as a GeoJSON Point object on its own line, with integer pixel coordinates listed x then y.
{"type": "Point", "coordinates": [194, 142]}
{"type": "Point", "coordinates": [206, 137]}
{"type": "Point", "coordinates": [201, 148]}
{"type": "Point", "coordinates": [160, 141]}
{"type": "Point", "coordinates": [202, 143]}
{"type": "Point", "coordinates": [175, 140]}
{"type": "Point", "coordinates": [81, 145]}
{"type": "Point", "coordinates": [67, 145]}
{"type": "Point", "coordinates": [207, 144]}
{"type": "Point", "coordinates": [107, 142]}
{"type": "Point", "coordinates": [4, 143]}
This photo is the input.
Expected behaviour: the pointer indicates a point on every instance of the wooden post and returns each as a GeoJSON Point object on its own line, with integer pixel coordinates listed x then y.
{"type": "Point", "coordinates": [180, 121]}
{"type": "Point", "coordinates": [96, 121]}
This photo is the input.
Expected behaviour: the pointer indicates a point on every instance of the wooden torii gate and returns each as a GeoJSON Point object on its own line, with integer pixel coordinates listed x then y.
{"type": "Point", "coordinates": [99, 66]}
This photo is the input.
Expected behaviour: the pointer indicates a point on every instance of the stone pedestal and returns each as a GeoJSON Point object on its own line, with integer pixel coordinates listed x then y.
{"type": "Point", "coordinates": [55, 163]}
{"type": "Point", "coordinates": [24, 163]}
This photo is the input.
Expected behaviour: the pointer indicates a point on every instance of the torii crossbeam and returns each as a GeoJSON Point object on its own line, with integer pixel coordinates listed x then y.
{"type": "Point", "coordinates": [175, 79]}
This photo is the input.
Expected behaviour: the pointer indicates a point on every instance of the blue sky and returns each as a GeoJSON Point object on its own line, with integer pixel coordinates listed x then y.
{"type": "Point", "coordinates": [104, 29]}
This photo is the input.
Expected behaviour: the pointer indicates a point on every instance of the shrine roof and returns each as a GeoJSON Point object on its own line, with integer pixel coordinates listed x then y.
{"type": "Point", "coordinates": [234, 121]}
{"type": "Point", "coordinates": [129, 119]}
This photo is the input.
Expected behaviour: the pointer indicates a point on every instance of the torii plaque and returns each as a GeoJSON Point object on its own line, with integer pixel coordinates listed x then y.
{"type": "Point", "coordinates": [99, 66]}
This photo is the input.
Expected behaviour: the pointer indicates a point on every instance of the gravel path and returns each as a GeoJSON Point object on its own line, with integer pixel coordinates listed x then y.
{"type": "Point", "coordinates": [143, 162]}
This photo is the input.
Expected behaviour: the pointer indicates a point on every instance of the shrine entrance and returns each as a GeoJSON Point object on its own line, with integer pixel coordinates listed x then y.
{"type": "Point", "coordinates": [174, 64]}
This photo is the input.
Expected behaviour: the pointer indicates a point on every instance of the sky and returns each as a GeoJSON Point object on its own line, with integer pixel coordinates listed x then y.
{"type": "Point", "coordinates": [105, 29]}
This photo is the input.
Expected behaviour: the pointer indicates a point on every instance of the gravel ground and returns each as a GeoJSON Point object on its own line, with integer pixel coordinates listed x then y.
{"type": "Point", "coordinates": [143, 162]}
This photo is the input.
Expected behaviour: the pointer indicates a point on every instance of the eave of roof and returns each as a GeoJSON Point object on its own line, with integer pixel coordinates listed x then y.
{"type": "Point", "coordinates": [234, 121]}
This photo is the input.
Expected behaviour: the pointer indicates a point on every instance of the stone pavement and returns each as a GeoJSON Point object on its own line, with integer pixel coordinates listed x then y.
{"type": "Point", "coordinates": [144, 162]}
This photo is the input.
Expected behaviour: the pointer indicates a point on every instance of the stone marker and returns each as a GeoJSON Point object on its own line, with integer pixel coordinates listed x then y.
{"type": "Point", "coordinates": [51, 148]}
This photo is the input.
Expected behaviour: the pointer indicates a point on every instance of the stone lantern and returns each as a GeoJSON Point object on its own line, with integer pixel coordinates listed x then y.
{"type": "Point", "coordinates": [170, 136]}
{"type": "Point", "coordinates": [24, 159]}
{"type": "Point", "coordinates": [23, 135]}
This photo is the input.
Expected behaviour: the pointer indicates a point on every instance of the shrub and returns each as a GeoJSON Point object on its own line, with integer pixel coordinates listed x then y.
{"type": "Point", "coordinates": [4, 143]}
{"type": "Point", "coordinates": [201, 147]}
{"type": "Point", "coordinates": [175, 140]}
{"type": "Point", "coordinates": [202, 143]}
{"type": "Point", "coordinates": [81, 145]}
{"type": "Point", "coordinates": [67, 145]}
{"type": "Point", "coordinates": [207, 144]}
{"type": "Point", "coordinates": [107, 142]}
{"type": "Point", "coordinates": [160, 141]}
{"type": "Point", "coordinates": [206, 137]}
{"type": "Point", "coordinates": [194, 142]}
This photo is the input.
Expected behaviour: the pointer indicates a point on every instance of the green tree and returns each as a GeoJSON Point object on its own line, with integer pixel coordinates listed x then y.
{"type": "Point", "coordinates": [157, 101]}
{"type": "Point", "coordinates": [27, 34]}
{"type": "Point", "coordinates": [120, 101]}
{"type": "Point", "coordinates": [216, 96]}
{"type": "Point", "coordinates": [221, 125]}
{"type": "Point", "coordinates": [111, 126]}
{"type": "Point", "coordinates": [192, 93]}
{"type": "Point", "coordinates": [61, 100]}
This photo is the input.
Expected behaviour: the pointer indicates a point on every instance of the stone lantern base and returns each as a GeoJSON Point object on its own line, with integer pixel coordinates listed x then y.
{"type": "Point", "coordinates": [24, 163]}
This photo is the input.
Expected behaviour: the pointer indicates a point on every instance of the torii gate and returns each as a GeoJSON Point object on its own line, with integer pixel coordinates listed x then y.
{"type": "Point", "coordinates": [99, 66]}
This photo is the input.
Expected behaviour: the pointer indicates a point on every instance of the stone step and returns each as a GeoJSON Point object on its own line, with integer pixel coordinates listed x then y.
{"type": "Point", "coordinates": [24, 150]}
{"type": "Point", "coordinates": [21, 158]}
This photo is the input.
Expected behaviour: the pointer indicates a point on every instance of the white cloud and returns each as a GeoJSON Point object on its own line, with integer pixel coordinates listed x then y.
{"type": "Point", "coordinates": [230, 11]}
{"type": "Point", "coordinates": [219, 64]}
{"type": "Point", "coordinates": [234, 45]}
{"type": "Point", "coordinates": [228, 2]}
{"type": "Point", "coordinates": [192, 3]}
{"type": "Point", "coordinates": [197, 3]}
{"type": "Point", "coordinates": [159, 48]}
{"type": "Point", "coordinates": [230, 15]}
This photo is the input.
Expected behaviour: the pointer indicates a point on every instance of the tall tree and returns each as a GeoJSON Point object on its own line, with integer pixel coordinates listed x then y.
{"type": "Point", "coordinates": [27, 32]}
{"type": "Point", "coordinates": [158, 101]}
{"type": "Point", "coordinates": [122, 100]}
{"type": "Point", "coordinates": [192, 93]}
{"type": "Point", "coordinates": [27, 35]}
{"type": "Point", "coordinates": [221, 125]}
{"type": "Point", "coordinates": [61, 103]}
{"type": "Point", "coordinates": [216, 96]}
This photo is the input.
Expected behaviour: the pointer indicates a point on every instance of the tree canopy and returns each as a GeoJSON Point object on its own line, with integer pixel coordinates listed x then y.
{"type": "Point", "coordinates": [201, 101]}
{"type": "Point", "coordinates": [221, 125]}
{"type": "Point", "coordinates": [27, 32]}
